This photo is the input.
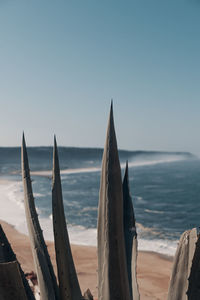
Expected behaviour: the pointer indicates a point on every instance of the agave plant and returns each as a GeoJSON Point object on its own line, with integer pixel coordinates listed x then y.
{"type": "Point", "coordinates": [117, 242]}
{"type": "Point", "coordinates": [117, 239]}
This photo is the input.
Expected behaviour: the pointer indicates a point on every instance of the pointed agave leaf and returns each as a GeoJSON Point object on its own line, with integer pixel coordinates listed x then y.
{"type": "Point", "coordinates": [130, 235]}
{"type": "Point", "coordinates": [45, 274]}
{"type": "Point", "coordinates": [7, 255]}
{"type": "Point", "coordinates": [6, 252]}
{"type": "Point", "coordinates": [182, 265]}
{"type": "Point", "coordinates": [194, 278]}
{"type": "Point", "coordinates": [11, 284]}
{"type": "Point", "coordinates": [68, 281]}
{"type": "Point", "coordinates": [112, 268]}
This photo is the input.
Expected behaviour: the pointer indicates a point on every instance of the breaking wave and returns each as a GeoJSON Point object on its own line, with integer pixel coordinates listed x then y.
{"type": "Point", "coordinates": [139, 162]}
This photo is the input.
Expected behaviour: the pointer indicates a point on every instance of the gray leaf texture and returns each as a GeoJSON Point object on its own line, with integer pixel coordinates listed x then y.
{"type": "Point", "coordinates": [7, 255]}
{"type": "Point", "coordinates": [11, 284]}
{"type": "Point", "coordinates": [45, 274]}
{"type": "Point", "coordinates": [112, 267]}
{"type": "Point", "coordinates": [182, 265]}
{"type": "Point", "coordinates": [194, 278]}
{"type": "Point", "coordinates": [68, 281]}
{"type": "Point", "coordinates": [130, 235]}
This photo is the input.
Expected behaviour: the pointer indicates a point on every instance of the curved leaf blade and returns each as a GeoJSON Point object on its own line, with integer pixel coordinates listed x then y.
{"type": "Point", "coordinates": [44, 269]}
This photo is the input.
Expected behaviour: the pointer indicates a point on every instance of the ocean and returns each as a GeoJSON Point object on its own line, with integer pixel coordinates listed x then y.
{"type": "Point", "coordinates": [165, 189]}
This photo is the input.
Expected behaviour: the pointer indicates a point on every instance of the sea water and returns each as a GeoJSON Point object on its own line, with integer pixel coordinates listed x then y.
{"type": "Point", "coordinates": [165, 189]}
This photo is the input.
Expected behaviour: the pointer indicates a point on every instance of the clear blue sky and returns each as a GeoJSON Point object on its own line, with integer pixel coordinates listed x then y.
{"type": "Point", "coordinates": [61, 62]}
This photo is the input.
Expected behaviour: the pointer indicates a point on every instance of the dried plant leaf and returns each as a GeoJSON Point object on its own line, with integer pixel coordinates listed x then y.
{"type": "Point", "coordinates": [130, 235]}
{"type": "Point", "coordinates": [11, 284]}
{"type": "Point", "coordinates": [112, 268]}
{"type": "Point", "coordinates": [194, 278]}
{"type": "Point", "coordinates": [182, 266]}
{"type": "Point", "coordinates": [45, 274]}
{"type": "Point", "coordinates": [68, 282]}
{"type": "Point", "coordinates": [8, 255]}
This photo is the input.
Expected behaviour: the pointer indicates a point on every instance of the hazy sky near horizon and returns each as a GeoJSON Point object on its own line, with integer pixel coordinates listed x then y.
{"type": "Point", "coordinates": [61, 62]}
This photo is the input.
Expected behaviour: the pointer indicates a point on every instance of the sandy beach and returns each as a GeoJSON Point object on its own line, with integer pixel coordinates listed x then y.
{"type": "Point", "coordinates": [153, 269]}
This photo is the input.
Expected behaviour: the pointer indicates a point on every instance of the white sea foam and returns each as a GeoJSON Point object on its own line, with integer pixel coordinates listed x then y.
{"type": "Point", "coordinates": [166, 247]}
{"type": "Point", "coordinates": [89, 208]}
{"type": "Point", "coordinates": [159, 160]}
{"type": "Point", "coordinates": [151, 211]}
{"type": "Point", "coordinates": [11, 203]}
{"type": "Point", "coordinates": [12, 211]}
{"type": "Point", "coordinates": [48, 173]}
{"type": "Point", "coordinates": [134, 163]}
{"type": "Point", "coordinates": [80, 235]}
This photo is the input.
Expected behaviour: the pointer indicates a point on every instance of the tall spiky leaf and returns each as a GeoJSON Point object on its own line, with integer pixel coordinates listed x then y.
{"type": "Point", "coordinates": [6, 252]}
{"type": "Point", "coordinates": [112, 268]}
{"type": "Point", "coordinates": [68, 281]}
{"type": "Point", "coordinates": [182, 266]}
{"type": "Point", "coordinates": [130, 238]}
{"type": "Point", "coordinates": [11, 285]}
{"type": "Point", "coordinates": [194, 278]}
{"type": "Point", "coordinates": [8, 255]}
{"type": "Point", "coordinates": [45, 274]}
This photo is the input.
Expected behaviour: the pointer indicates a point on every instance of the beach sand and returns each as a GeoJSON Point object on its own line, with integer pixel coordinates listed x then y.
{"type": "Point", "coordinates": [153, 269]}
